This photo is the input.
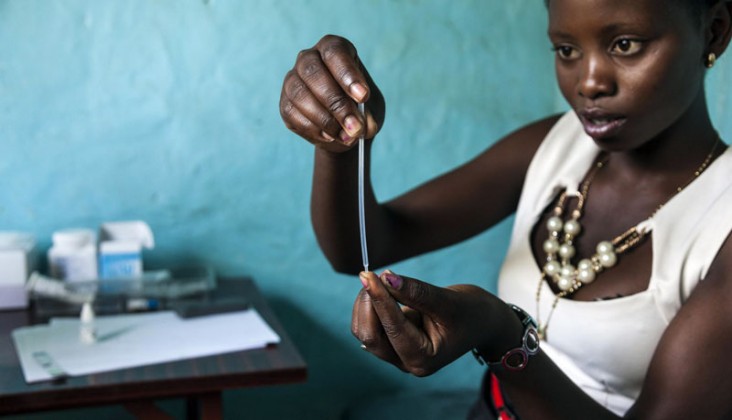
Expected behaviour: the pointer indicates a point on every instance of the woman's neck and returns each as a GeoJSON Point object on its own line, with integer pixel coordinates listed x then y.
{"type": "Point", "coordinates": [674, 153]}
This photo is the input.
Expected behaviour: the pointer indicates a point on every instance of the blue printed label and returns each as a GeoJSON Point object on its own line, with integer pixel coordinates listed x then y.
{"type": "Point", "coordinates": [112, 266]}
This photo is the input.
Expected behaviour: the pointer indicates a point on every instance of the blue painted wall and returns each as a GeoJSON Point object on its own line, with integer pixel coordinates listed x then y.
{"type": "Point", "coordinates": [167, 111]}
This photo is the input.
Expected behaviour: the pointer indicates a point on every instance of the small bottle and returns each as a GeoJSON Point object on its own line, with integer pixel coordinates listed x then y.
{"type": "Point", "coordinates": [87, 330]}
{"type": "Point", "coordinates": [73, 256]}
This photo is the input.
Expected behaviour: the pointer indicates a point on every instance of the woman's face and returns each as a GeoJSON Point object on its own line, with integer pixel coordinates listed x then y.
{"type": "Point", "coordinates": [630, 69]}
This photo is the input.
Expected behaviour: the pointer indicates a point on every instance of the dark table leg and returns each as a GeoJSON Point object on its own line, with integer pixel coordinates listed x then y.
{"type": "Point", "coordinates": [146, 410]}
{"type": "Point", "coordinates": [204, 406]}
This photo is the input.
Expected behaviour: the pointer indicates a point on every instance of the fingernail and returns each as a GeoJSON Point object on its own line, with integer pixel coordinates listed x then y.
{"type": "Point", "coordinates": [364, 280]}
{"type": "Point", "coordinates": [327, 136]}
{"type": "Point", "coordinates": [345, 138]}
{"type": "Point", "coordinates": [353, 125]}
{"type": "Point", "coordinates": [394, 280]}
{"type": "Point", "coordinates": [358, 91]}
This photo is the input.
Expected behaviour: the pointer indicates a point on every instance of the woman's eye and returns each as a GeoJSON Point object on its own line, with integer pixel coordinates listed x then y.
{"type": "Point", "coordinates": [626, 46]}
{"type": "Point", "coordinates": [566, 52]}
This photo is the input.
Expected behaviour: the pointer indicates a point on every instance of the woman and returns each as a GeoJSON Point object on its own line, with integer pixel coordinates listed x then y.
{"type": "Point", "coordinates": [620, 250]}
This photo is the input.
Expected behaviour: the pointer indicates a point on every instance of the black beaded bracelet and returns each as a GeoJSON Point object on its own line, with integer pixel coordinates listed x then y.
{"type": "Point", "coordinates": [516, 359]}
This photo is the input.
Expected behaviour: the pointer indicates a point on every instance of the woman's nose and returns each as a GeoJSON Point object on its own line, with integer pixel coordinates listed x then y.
{"type": "Point", "coordinates": [596, 78]}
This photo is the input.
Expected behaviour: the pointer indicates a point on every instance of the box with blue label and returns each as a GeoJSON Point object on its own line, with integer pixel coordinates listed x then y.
{"type": "Point", "coordinates": [120, 248]}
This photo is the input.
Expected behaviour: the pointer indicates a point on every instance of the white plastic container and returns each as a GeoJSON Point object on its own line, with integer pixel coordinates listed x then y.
{"type": "Point", "coordinates": [73, 256]}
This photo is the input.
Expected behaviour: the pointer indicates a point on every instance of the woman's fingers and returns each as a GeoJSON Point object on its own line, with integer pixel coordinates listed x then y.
{"type": "Point", "coordinates": [320, 96]}
{"type": "Point", "coordinates": [331, 71]}
{"type": "Point", "coordinates": [421, 296]}
{"type": "Point", "coordinates": [303, 112]}
{"type": "Point", "coordinates": [302, 125]}
{"type": "Point", "coordinates": [411, 344]}
{"type": "Point", "coordinates": [426, 326]}
{"type": "Point", "coordinates": [342, 60]}
{"type": "Point", "coordinates": [367, 329]}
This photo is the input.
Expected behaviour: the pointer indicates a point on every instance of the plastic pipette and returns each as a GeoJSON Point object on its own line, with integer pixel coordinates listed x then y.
{"type": "Point", "coordinates": [361, 209]}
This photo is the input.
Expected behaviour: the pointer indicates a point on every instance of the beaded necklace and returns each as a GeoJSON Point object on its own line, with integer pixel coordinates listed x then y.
{"type": "Point", "coordinates": [559, 267]}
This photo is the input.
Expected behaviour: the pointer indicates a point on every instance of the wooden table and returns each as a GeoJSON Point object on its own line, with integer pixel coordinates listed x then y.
{"type": "Point", "coordinates": [201, 380]}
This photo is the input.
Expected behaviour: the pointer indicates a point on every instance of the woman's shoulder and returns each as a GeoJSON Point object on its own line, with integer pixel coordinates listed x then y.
{"type": "Point", "coordinates": [517, 149]}
{"type": "Point", "coordinates": [562, 154]}
{"type": "Point", "coordinates": [556, 135]}
{"type": "Point", "coordinates": [565, 135]}
{"type": "Point", "coordinates": [535, 132]}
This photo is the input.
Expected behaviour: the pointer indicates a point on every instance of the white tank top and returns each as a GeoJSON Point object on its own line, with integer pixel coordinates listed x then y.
{"type": "Point", "coordinates": [605, 347]}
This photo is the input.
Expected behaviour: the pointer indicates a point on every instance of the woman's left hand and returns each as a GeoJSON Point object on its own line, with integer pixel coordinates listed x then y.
{"type": "Point", "coordinates": [432, 327]}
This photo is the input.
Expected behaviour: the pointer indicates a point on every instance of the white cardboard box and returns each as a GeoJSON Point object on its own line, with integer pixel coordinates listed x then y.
{"type": "Point", "coordinates": [17, 261]}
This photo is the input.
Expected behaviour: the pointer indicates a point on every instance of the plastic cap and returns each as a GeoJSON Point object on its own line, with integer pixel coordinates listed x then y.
{"type": "Point", "coordinates": [75, 238]}
{"type": "Point", "coordinates": [87, 313]}
{"type": "Point", "coordinates": [16, 240]}
{"type": "Point", "coordinates": [130, 231]}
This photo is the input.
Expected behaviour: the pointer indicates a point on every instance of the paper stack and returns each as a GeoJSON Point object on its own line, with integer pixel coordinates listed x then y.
{"type": "Point", "coordinates": [124, 341]}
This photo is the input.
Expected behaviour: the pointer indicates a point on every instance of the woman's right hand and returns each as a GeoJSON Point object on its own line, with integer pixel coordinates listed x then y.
{"type": "Point", "coordinates": [320, 96]}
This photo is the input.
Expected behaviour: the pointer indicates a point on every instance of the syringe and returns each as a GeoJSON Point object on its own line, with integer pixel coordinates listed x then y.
{"type": "Point", "coordinates": [361, 209]}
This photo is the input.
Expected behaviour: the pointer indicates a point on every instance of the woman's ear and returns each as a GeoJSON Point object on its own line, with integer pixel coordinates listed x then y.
{"type": "Point", "coordinates": [719, 27]}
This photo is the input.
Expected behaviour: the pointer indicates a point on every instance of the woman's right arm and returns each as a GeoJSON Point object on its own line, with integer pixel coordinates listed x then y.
{"type": "Point", "coordinates": [319, 102]}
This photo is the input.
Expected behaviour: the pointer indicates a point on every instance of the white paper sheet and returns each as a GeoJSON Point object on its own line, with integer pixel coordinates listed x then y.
{"type": "Point", "coordinates": [125, 341]}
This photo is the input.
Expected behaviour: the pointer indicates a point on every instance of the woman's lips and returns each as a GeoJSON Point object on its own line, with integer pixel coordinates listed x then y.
{"type": "Point", "coordinates": [600, 124]}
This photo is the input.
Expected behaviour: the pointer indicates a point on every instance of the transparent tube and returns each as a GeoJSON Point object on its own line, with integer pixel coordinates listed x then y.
{"type": "Point", "coordinates": [361, 209]}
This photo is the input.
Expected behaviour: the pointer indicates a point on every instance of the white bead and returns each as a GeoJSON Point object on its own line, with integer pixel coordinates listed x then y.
{"type": "Point", "coordinates": [551, 246]}
{"type": "Point", "coordinates": [586, 276]}
{"type": "Point", "coordinates": [608, 259]}
{"type": "Point", "coordinates": [584, 264]}
{"type": "Point", "coordinates": [567, 271]}
{"type": "Point", "coordinates": [566, 251]}
{"type": "Point", "coordinates": [572, 227]}
{"type": "Point", "coordinates": [554, 224]}
{"type": "Point", "coordinates": [552, 267]}
{"type": "Point", "coordinates": [564, 283]}
{"type": "Point", "coordinates": [604, 247]}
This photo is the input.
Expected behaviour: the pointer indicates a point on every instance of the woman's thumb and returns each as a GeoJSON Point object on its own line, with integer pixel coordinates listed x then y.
{"type": "Point", "coordinates": [411, 292]}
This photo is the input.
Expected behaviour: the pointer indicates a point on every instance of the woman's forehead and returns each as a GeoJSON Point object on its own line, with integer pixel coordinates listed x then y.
{"type": "Point", "coordinates": [564, 14]}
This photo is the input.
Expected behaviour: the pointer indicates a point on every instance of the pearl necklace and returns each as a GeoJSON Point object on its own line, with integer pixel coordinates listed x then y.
{"type": "Point", "coordinates": [559, 267]}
